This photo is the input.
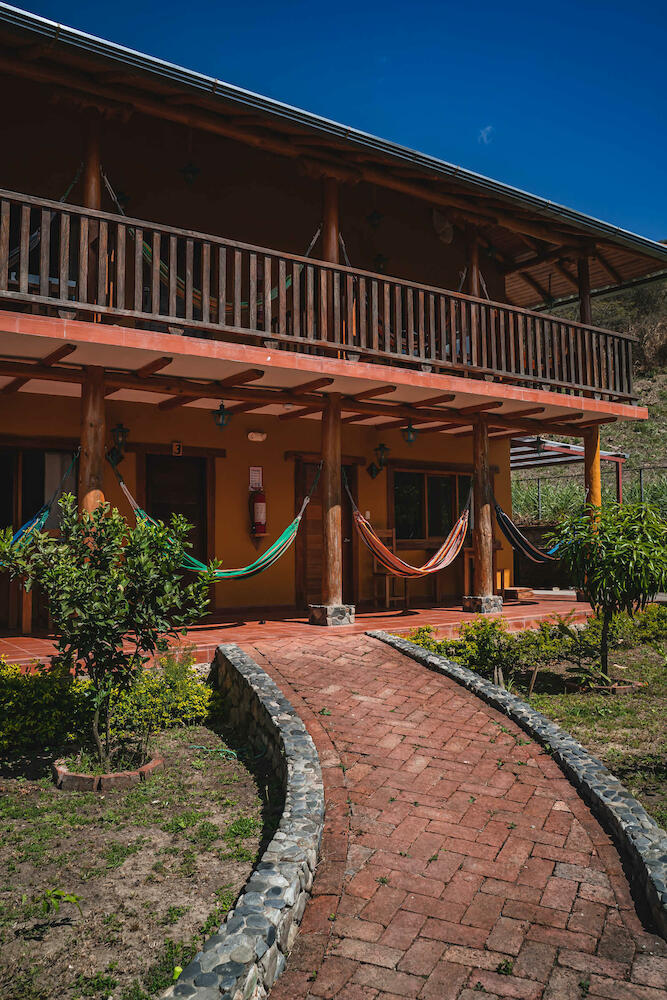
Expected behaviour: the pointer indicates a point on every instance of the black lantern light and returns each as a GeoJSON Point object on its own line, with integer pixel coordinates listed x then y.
{"type": "Point", "coordinates": [381, 453]}
{"type": "Point", "coordinates": [221, 416]}
{"type": "Point", "coordinates": [119, 433]}
{"type": "Point", "coordinates": [409, 433]}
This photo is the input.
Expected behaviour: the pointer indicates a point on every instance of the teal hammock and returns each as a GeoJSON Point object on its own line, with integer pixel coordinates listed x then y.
{"type": "Point", "coordinates": [263, 562]}
{"type": "Point", "coordinates": [37, 522]}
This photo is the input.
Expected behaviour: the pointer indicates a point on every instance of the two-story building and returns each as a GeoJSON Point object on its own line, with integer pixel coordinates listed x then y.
{"type": "Point", "coordinates": [249, 290]}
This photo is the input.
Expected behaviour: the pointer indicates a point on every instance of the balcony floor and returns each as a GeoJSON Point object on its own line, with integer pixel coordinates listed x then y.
{"type": "Point", "coordinates": [280, 623]}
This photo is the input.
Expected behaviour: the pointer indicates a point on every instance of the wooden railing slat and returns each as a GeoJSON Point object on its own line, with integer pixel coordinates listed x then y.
{"type": "Point", "coordinates": [63, 258]}
{"type": "Point", "coordinates": [4, 244]}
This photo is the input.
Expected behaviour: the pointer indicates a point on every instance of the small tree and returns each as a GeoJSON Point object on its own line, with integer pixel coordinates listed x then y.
{"type": "Point", "coordinates": [617, 557]}
{"type": "Point", "coordinates": [115, 594]}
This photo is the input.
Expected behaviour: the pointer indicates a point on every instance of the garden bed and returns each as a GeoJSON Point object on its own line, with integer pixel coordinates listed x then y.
{"type": "Point", "coordinates": [154, 870]}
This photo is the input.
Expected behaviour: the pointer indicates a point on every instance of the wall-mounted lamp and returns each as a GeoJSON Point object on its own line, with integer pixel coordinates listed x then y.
{"type": "Point", "coordinates": [221, 416]}
{"type": "Point", "coordinates": [381, 453]}
{"type": "Point", "coordinates": [119, 433]}
{"type": "Point", "coordinates": [409, 433]}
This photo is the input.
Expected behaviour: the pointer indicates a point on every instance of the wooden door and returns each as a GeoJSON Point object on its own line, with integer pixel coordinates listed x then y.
{"type": "Point", "coordinates": [309, 539]}
{"type": "Point", "coordinates": [178, 486]}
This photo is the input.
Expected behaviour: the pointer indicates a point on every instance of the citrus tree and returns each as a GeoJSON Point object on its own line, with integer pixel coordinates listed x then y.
{"type": "Point", "coordinates": [617, 556]}
{"type": "Point", "coordinates": [115, 595]}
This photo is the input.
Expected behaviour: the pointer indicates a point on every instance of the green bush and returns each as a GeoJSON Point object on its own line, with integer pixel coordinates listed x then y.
{"type": "Point", "coordinates": [486, 646]}
{"type": "Point", "coordinates": [49, 707]}
{"type": "Point", "coordinates": [42, 707]}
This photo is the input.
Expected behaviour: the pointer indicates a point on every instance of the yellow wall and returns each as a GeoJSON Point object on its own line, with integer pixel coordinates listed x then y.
{"type": "Point", "coordinates": [33, 415]}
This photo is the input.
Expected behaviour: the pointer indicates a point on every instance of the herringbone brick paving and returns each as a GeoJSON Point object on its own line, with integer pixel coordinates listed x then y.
{"type": "Point", "coordinates": [457, 861]}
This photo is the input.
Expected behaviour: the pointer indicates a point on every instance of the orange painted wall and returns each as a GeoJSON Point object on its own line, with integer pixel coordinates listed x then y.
{"type": "Point", "coordinates": [37, 415]}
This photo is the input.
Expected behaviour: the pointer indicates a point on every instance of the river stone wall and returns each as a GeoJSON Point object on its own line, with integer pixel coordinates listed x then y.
{"type": "Point", "coordinates": [248, 953]}
{"type": "Point", "coordinates": [639, 839]}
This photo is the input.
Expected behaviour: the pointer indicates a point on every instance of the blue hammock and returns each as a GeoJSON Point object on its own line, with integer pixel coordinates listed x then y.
{"type": "Point", "coordinates": [519, 541]}
{"type": "Point", "coordinates": [38, 520]}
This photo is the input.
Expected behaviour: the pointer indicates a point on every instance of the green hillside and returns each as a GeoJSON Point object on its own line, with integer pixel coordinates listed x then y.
{"type": "Point", "coordinates": [643, 312]}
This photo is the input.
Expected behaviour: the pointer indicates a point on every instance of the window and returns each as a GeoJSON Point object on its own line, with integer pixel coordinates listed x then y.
{"type": "Point", "coordinates": [426, 504]}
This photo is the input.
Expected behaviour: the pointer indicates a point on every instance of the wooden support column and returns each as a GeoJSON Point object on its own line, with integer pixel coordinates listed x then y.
{"type": "Point", "coordinates": [592, 474]}
{"type": "Point", "coordinates": [92, 162]}
{"type": "Point", "coordinates": [473, 283]}
{"type": "Point", "coordinates": [330, 220]}
{"type": "Point", "coordinates": [332, 611]}
{"type": "Point", "coordinates": [483, 600]}
{"type": "Point", "coordinates": [93, 440]}
{"type": "Point", "coordinates": [584, 279]}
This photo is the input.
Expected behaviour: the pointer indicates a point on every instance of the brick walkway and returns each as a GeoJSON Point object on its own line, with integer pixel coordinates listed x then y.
{"type": "Point", "coordinates": [454, 847]}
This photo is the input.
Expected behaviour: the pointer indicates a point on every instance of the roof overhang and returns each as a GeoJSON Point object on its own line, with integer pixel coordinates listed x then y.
{"type": "Point", "coordinates": [538, 452]}
{"type": "Point", "coordinates": [534, 240]}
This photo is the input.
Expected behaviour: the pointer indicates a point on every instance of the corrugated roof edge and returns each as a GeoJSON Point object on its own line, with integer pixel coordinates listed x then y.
{"type": "Point", "coordinates": [63, 34]}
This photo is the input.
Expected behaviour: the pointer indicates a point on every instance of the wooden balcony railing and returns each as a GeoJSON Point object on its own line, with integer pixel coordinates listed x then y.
{"type": "Point", "coordinates": [61, 256]}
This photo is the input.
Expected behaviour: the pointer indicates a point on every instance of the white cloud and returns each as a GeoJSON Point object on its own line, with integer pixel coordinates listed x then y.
{"type": "Point", "coordinates": [486, 135]}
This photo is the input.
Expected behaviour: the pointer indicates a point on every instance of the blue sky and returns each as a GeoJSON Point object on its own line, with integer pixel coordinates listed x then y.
{"type": "Point", "coordinates": [568, 102]}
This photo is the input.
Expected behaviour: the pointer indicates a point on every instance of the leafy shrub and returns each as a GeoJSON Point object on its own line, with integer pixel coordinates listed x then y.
{"type": "Point", "coordinates": [617, 556]}
{"type": "Point", "coordinates": [49, 707]}
{"type": "Point", "coordinates": [44, 706]}
{"type": "Point", "coordinates": [115, 593]}
{"type": "Point", "coordinates": [160, 699]}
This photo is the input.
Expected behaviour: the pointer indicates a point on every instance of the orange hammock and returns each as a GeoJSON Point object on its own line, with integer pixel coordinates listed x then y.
{"type": "Point", "coordinates": [445, 555]}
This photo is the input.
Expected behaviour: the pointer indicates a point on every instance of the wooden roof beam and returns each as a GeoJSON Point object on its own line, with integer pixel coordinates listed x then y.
{"type": "Point", "coordinates": [609, 268]}
{"type": "Point", "coordinates": [239, 378]}
{"type": "Point", "coordinates": [60, 352]}
{"type": "Point", "coordinates": [151, 367]}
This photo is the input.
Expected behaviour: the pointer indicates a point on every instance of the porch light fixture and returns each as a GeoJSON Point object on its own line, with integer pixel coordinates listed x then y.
{"type": "Point", "coordinates": [221, 416]}
{"type": "Point", "coordinates": [373, 471]}
{"type": "Point", "coordinates": [381, 453]}
{"type": "Point", "coordinates": [119, 433]}
{"type": "Point", "coordinates": [409, 433]}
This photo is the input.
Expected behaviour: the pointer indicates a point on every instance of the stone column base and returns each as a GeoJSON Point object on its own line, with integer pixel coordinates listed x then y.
{"type": "Point", "coordinates": [488, 605]}
{"type": "Point", "coordinates": [331, 614]}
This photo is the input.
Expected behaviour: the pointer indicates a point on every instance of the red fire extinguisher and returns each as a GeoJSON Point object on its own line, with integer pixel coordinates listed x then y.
{"type": "Point", "coordinates": [258, 512]}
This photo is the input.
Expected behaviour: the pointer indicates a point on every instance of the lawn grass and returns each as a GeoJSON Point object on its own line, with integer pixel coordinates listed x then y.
{"type": "Point", "coordinates": [626, 732]}
{"type": "Point", "coordinates": [154, 870]}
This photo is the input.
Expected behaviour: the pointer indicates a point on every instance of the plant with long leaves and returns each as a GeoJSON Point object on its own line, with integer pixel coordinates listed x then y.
{"type": "Point", "coordinates": [616, 556]}
{"type": "Point", "coordinates": [115, 595]}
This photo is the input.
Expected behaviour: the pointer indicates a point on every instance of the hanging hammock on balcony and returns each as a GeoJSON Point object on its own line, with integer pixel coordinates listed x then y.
{"type": "Point", "coordinates": [445, 555]}
{"type": "Point", "coordinates": [147, 254]}
{"type": "Point", "coordinates": [519, 541]}
{"type": "Point", "coordinates": [35, 236]}
{"type": "Point", "coordinates": [265, 561]}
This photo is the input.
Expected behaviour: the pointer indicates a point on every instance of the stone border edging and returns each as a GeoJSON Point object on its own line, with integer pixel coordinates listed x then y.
{"type": "Point", "coordinates": [248, 953]}
{"type": "Point", "coordinates": [639, 837]}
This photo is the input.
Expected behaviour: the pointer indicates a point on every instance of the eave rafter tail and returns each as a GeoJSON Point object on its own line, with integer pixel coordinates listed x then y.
{"type": "Point", "coordinates": [190, 390]}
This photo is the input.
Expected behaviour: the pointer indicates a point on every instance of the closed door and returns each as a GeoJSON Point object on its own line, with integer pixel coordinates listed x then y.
{"type": "Point", "coordinates": [309, 539]}
{"type": "Point", "coordinates": [178, 486]}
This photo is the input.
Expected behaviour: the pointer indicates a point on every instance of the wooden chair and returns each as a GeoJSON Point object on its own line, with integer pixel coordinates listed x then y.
{"type": "Point", "coordinates": [390, 590]}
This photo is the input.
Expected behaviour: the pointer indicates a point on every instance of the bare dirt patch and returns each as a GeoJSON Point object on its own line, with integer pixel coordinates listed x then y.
{"type": "Point", "coordinates": [153, 869]}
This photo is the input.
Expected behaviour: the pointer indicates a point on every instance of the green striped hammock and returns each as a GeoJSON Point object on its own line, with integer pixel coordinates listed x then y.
{"type": "Point", "coordinates": [263, 562]}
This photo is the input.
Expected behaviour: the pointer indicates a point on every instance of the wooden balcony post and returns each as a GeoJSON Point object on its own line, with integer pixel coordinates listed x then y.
{"type": "Point", "coordinates": [483, 601]}
{"type": "Point", "coordinates": [584, 278]}
{"type": "Point", "coordinates": [332, 611]}
{"type": "Point", "coordinates": [92, 163]}
{"type": "Point", "coordinates": [330, 220]}
{"type": "Point", "coordinates": [473, 283]}
{"type": "Point", "coordinates": [93, 439]}
{"type": "Point", "coordinates": [593, 478]}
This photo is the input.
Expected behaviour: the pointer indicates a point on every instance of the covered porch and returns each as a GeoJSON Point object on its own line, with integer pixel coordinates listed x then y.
{"type": "Point", "coordinates": [275, 624]}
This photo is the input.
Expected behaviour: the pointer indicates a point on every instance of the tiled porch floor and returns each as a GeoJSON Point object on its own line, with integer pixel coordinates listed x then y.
{"type": "Point", "coordinates": [281, 624]}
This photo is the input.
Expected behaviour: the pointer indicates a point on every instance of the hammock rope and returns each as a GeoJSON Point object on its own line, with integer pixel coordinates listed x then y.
{"type": "Point", "coordinates": [263, 562]}
{"type": "Point", "coordinates": [445, 555]}
{"type": "Point", "coordinates": [519, 541]}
